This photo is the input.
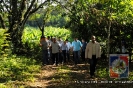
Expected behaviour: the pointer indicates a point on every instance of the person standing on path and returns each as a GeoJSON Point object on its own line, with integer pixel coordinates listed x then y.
{"type": "Point", "coordinates": [55, 50]}
{"type": "Point", "coordinates": [76, 46]}
{"type": "Point", "coordinates": [49, 49]}
{"type": "Point", "coordinates": [60, 57]}
{"type": "Point", "coordinates": [79, 51]}
{"type": "Point", "coordinates": [64, 49]}
{"type": "Point", "coordinates": [69, 46]}
{"type": "Point", "coordinates": [84, 43]}
{"type": "Point", "coordinates": [93, 53]}
{"type": "Point", "coordinates": [44, 45]}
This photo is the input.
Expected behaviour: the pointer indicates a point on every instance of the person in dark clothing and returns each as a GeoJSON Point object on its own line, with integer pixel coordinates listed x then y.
{"type": "Point", "coordinates": [84, 43]}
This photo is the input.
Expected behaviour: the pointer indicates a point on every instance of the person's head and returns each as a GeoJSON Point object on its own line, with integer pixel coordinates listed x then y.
{"type": "Point", "coordinates": [83, 40]}
{"type": "Point", "coordinates": [54, 40]}
{"type": "Point", "coordinates": [59, 39]}
{"type": "Point", "coordinates": [75, 38]}
{"type": "Point", "coordinates": [66, 40]}
{"type": "Point", "coordinates": [42, 37]}
{"type": "Point", "coordinates": [48, 37]}
{"type": "Point", "coordinates": [93, 38]}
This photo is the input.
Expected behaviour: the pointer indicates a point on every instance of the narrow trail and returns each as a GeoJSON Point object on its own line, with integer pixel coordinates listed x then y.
{"type": "Point", "coordinates": [66, 76]}
{"type": "Point", "coordinates": [42, 78]}
{"type": "Point", "coordinates": [70, 76]}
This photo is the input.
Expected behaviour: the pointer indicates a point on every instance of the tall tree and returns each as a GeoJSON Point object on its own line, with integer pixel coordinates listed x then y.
{"type": "Point", "coordinates": [17, 12]}
{"type": "Point", "coordinates": [98, 16]}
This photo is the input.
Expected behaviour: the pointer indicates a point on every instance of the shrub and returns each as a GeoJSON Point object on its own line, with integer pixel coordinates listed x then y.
{"type": "Point", "coordinates": [14, 67]}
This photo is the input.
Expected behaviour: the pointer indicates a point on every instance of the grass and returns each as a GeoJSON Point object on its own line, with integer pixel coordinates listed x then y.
{"type": "Point", "coordinates": [15, 69]}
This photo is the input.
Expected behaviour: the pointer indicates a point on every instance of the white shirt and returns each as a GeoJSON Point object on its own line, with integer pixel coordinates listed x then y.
{"type": "Point", "coordinates": [49, 42]}
{"type": "Point", "coordinates": [64, 46]}
{"type": "Point", "coordinates": [60, 42]}
{"type": "Point", "coordinates": [68, 45]}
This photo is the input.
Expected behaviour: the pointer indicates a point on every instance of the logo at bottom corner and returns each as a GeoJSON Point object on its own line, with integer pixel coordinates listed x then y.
{"type": "Point", "coordinates": [118, 66]}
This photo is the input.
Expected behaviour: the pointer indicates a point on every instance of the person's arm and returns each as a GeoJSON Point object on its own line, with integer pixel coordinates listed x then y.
{"type": "Point", "coordinates": [50, 46]}
{"type": "Point", "coordinates": [86, 51]}
{"type": "Point", "coordinates": [81, 44]}
{"type": "Point", "coordinates": [72, 46]}
{"type": "Point", "coordinates": [40, 43]}
{"type": "Point", "coordinates": [67, 47]}
{"type": "Point", "coordinates": [59, 46]}
{"type": "Point", "coordinates": [99, 51]}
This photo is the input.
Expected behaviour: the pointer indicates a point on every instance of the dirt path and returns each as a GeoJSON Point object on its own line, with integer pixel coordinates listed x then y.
{"type": "Point", "coordinates": [42, 78]}
{"type": "Point", "coordinates": [62, 76]}
{"type": "Point", "coordinates": [70, 76]}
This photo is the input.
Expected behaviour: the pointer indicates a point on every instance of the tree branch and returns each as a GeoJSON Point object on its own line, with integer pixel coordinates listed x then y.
{"type": "Point", "coordinates": [29, 9]}
{"type": "Point", "coordinates": [22, 5]}
{"type": "Point", "coordinates": [39, 25]}
{"type": "Point", "coordinates": [40, 6]}
{"type": "Point", "coordinates": [64, 6]}
{"type": "Point", "coordinates": [6, 7]}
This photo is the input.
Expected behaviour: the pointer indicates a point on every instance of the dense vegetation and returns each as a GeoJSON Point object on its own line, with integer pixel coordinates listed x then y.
{"type": "Point", "coordinates": [31, 38]}
{"type": "Point", "coordinates": [13, 67]}
{"type": "Point", "coordinates": [110, 20]}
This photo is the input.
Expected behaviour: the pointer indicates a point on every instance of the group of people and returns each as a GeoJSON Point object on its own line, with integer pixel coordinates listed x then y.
{"type": "Point", "coordinates": [59, 51]}
{"type": "Point", "coordinates": [55, 49]}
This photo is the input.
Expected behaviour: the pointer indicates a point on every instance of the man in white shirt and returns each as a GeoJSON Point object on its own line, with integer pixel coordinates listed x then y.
{"type": "Point", "coordinates": [55, 51]}
{"type": "Point", "coordinates": [93, 53]}
{"type": "Point", "coordinates": [64, 49]}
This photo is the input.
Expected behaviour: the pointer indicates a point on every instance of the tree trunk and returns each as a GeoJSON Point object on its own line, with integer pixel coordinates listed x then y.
{"type": "Point", "coordinates": [18, 12]}
{"type": "Point", "coordinates": [2, 22]}
{"type": "Point", "coordinates": [16, 39]}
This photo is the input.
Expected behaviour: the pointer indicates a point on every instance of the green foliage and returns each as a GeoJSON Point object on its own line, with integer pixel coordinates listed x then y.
{"type": "Point", "coordinates": [33, 34]}
{"type": "Point", "coordinates": [97, 17]}
{"type": "Point", "coordinates": [10, 85]}
{"type": "Point", "coordinates": [2, 38]}
{"type": "Point", "coordinates": [102, 73]}
{"type": "Point", "coordinates": [31, 39]}
{"type": "Point", "coordinates": [5, 45]}
{"type": "Point", "coordinates": [17, 68]}
{"type": "Point", "coordinates": [14, 67]}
